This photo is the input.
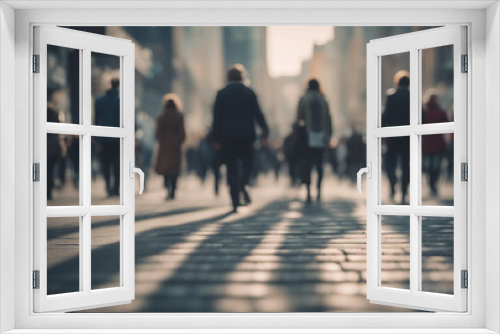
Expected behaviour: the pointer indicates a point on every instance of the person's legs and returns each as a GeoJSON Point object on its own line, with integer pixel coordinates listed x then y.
{"type": "Point", "coordinates": [173, 185]}
{"type": "Point", "coordinates": [434, 172]}
{"type": "Point", "coordinates": [115, 165]}
{"type": "Point", "coordinates": [106, 167]}
{"type": "Point", "coordinates": [147, 155]}
{"type": "Point", "coordinates": [405, 166]}
{"type": "Point", "coordinates": [166, 184]}
{"type": "Point", "coordinates": [305, 166]}
{"type": "Point", "coordinates": [231, 159]}
{"type": "Point", "coordinates": [50, 177]}
{"type": "Point", "coordinates": [391, 159]}
{"type": "Point", "coordinates": [318, 164]}
{"type": "Point", "coordinates": [246, 157]}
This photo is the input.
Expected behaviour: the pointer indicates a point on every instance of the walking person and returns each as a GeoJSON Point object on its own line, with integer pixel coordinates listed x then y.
{"type": "Point", "coordinates": [236, 110]}
{"type": "Point", "coordinates": [145, 135]}
{"type": "Point", "coordinates": [170, 134]}
{"type": "Point", "coordinates": [397, 113]}
{"type": "Point", "coordinates": [107, 113]}
{"type": "Point", "coordinates": [433, 146]}
{"type": "Point", "coordinates": [314, 115]}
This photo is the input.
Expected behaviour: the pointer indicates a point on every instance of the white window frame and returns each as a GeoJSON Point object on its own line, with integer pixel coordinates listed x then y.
{"type": "Point", "coordinates": [413, 44]}
{"type": "Point", "coordinates": [86, 44]}
{"type": "Point", "coordinates": [484, 103]}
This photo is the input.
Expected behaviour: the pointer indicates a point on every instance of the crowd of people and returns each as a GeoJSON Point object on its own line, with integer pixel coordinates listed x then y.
{"type": "Point", "coordinates": [233, 142]}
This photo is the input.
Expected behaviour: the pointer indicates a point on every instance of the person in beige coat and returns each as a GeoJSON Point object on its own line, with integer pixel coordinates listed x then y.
{"type": "Point", "coordinates": [170, 134]}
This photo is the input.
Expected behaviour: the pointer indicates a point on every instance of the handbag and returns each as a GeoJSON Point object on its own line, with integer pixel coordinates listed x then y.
{"type": "Point", "coordinates": [316, 139]}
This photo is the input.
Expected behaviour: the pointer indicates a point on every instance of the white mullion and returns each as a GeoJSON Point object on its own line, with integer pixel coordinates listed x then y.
{"type": "Point", "coordinates": [127, 190]}
{"type": "Point", "coordinates": [81, 170]}
{"type": "Point", "coordinates": [435, 128]}
{"type": "Point", "coordinates": [108, 210]}
{"type": "Point", "coordinates": [67, 129]}
{"type": "Point", "coordinates": [66, 211]}
{"type": "Point", "coordinates": [87, 172]}
{"type": "Point", "coordinates": [414, 170]}
{"type": "Point", "coordinates": [113, 132]}
{"type": "Point", "coordinates": [393, 131]}
{"type": "Point", "coordinates": [392, 210]}
{"type": "Point", "coordinates": [434, 211]}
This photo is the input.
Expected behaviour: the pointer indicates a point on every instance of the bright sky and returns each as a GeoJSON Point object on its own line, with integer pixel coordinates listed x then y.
{"type": "Point", "coordinates": [287, 47]}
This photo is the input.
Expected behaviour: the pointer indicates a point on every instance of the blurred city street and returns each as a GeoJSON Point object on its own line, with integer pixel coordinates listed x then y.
{"type": "Point", "coordinates": [277, 255]}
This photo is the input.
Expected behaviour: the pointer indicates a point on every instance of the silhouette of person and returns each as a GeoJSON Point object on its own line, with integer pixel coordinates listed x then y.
{"type": "Point", "coordinates": [236, 110]}
{"type": "Point", "coordinates": [53, 150]}
{"type": "Point", "coordinates": [433, 146]}
{"type": "Point", "coordinates": [356, 153]}
{"type": "Point", "coordinates": [107, 113]}
{"type": "Point", "coordinates": [170, 134]}
{"type": "Point", "coordinates": [314, 115]}
{"type": "Point", "coordinates": [397, 113]}
{"type": "Point", "coordinates": [145, 135]}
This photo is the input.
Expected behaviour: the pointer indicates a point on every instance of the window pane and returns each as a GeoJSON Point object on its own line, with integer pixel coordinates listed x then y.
{"type": "Point", "coordinates": [437, 84]}
{"type": "Point", "coordinates": [106, 165]}
{"type": "Point", "coordinates": [63, 85]}
{"type": "Point", "coordinates": [437, 254]}
{"type": "Point", "coordinates": [395, 252]}
{"type": "Point", "coordinates": [437, 169]}
{"type": "Point", "coordinates": [105, 252]}
{"type": "Point", "coordinates": [63, 170]}
{"type": "Point", "coordinates": [105, 90]}
{"type": "Point", "coordinates": [395, 92]}
{"type": "Point", "coordinates": [63, 255]}
{"type": "Point", "coordinates": [395, 181]}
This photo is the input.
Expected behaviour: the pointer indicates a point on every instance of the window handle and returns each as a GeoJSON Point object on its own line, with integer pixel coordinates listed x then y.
{"type": "Point", "coordinates": [367, 170]}
{"type": "Point", "coordinates": [134, 170]}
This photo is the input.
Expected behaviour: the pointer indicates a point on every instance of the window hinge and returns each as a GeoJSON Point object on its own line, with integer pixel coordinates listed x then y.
{"type": "Point", "coordinates": [36, 279]}
{"type": "Point", "coordinates": [465, 279]}
{"type": "Point", "coordinates": [36, 172]}
{"type": "Point", "coordinates": [36, 63]}
{"type": "Point", "coordinates": [465, 64]}
{"type": "Point", "coordinates": [464, 171]}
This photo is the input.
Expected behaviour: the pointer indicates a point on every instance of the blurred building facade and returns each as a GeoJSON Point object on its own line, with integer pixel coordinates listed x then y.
{"type": "Point", "coordinates": [191, 62]}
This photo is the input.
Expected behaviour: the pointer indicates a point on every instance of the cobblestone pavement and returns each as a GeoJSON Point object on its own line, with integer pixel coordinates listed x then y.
{"type": "Point", "coordinates": [277, 255]}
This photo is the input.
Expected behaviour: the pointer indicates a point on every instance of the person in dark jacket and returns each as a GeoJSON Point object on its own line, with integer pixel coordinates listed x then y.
{"type": "Point", "coordinates": [397, 113]}
{"type": "Point", "coordinates": [433, 146]}
{"type": "Point", "coordinates": [107, 113]}
{"type": "Point", "coordinates": [236, 110]}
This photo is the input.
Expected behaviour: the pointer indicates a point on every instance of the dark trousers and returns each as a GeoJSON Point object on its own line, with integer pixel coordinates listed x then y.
{"type": "Point", "coordinates": [170, 182]}
{"type": "Point", "coordinates": [238, 156]}
{"type": "Point", "coordinates": [312, 159]}
{"type": "Point", "coordinates": [432, 166]}
{"type": "Point", "coordinates": [110, 165]}
{"type": "Point", "coordinates": [392, 157]}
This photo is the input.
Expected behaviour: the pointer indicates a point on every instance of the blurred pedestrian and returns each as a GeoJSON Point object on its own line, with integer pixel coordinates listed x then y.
{"type": "Point", "coordinates": [356, 154]}
{"type": "Point", "coordinates": [53, 150]}
{"type": "Point", "coordinates": [236, 110]}
{"type": "Point", "coordinates": [314, 114]}
{"type": "Point", "coordinates": [433, 146]}
{"type": "Point", "coordinates": [397, 113]}
{"type": "Point", "coordinates": [107, 113]}
{"type": "Point", "coordinates": [170, 134]}
{"type": "Point", "coordinates": [293, 151]}
{"type": "Point", "coordinates": [145, 135]}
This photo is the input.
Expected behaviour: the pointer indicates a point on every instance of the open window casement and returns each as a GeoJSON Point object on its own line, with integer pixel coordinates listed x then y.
{"type": "Point", "coordinates": [84, 132]}
{"type": "Point", "coordinates": [418, 217]}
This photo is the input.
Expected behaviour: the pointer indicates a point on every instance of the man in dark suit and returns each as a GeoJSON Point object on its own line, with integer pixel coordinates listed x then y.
{"type": "Point", "coordinates": [236, 110]}
{"type": "Point", "coordinates": [397, 113]}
